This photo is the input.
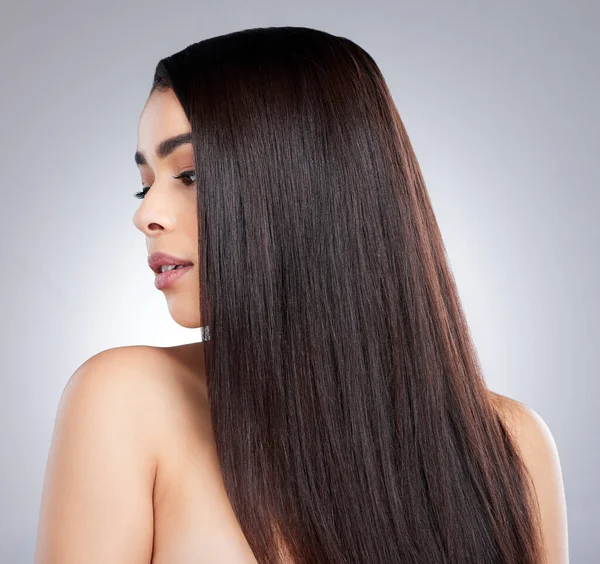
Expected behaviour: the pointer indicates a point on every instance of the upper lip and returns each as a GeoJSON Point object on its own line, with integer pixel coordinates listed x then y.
{"type": "Point", "coordinates": [156, 260]}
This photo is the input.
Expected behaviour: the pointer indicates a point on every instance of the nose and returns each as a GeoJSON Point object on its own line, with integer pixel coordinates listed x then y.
{"type": "Point", "coordinates": [152, 219]}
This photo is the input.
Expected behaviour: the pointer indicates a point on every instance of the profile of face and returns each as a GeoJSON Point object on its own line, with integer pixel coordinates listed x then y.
{"type": "Point", "coordinates": [167, 214]}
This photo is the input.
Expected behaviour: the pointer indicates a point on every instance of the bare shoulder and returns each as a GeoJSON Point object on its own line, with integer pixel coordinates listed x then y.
{"type": "Point", "coordinates": [164, 386]}
{"type": "Point", "coordinates": [539, 452]}
{"type": "Point", "coordinates": [112, 420]}
{"type": "Point", "coordinates": [144, 377]}
{"type": "Point", "coordinates": [117, 388]}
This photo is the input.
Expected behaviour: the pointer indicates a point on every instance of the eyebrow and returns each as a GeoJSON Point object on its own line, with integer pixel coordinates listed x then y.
{"type": "Point", "coordinates": [165, 148]}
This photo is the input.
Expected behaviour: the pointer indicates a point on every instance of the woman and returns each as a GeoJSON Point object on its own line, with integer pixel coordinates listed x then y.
{"type": "Point", "coordinates": [336, 412]}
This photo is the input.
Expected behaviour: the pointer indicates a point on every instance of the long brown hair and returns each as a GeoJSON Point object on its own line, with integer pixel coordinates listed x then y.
{"type": "Point", "coordinates": [351, 418]}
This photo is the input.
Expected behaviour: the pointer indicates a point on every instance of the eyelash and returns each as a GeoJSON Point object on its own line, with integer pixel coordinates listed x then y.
{"type": "Point", "coordinates": [185, 174]}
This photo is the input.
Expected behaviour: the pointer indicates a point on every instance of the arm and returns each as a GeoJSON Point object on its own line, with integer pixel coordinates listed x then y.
{"type": "Point", "coordinates": [97, 501]}
{"type": "Point", "coordinates": [540, 455]}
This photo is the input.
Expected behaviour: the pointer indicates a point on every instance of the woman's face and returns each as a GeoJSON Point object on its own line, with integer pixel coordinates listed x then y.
{"type": "Point", "coordinates": [167, 214]}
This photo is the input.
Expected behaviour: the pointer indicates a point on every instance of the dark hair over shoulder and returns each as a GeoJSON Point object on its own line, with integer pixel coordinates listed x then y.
{"type": "Point", "coordinates": [351, 417]}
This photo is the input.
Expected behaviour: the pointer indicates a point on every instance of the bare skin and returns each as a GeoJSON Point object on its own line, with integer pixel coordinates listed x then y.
{"type": "Point", "coordinates": [167, 215]}
{"type": "Point", "coordinates": [132, 474]}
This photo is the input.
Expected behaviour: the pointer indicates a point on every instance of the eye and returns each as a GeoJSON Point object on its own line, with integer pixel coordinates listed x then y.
{"type": "Point", "coordinates": [142, 193]}
{"type": "Point", "coordinates": [188, 175]}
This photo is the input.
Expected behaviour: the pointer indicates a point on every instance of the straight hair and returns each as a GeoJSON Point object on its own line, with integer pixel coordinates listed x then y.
{"type": "Point", "coordinates": [350, 415]}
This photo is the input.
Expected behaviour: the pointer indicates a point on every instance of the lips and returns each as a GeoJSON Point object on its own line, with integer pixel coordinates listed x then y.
{"type": "Point", "coordinates": [157, 260]}
{"type": "Point", "coordinates": [168, 277]}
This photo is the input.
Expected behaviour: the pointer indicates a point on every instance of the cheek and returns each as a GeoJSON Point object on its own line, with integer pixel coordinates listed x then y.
{"type": "Point", "coordinates": [190, 223]}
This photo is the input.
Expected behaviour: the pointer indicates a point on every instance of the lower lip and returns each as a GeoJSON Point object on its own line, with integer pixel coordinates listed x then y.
{"type": "Point", "coordinates": [167, 278]}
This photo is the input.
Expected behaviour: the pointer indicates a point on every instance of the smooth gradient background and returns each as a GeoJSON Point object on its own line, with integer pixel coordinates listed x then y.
{"type": "Point", "coordinates": [501, 102]}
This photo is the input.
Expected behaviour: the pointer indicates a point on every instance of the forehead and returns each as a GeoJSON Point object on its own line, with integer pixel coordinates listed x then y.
{"type": "Point", "coordinates": [161, 117]}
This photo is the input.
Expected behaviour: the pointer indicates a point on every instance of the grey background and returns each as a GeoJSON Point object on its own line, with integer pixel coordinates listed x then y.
{"type": "Point", "coordinates": [500, 100]}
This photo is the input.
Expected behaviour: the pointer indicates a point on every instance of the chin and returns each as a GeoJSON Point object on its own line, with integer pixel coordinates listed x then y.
{"type": "Point", "coordinates": [185, 314]}
{"type": "Point", "coordinates": [187, 323]}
